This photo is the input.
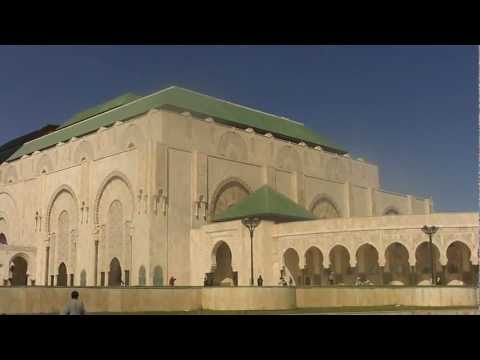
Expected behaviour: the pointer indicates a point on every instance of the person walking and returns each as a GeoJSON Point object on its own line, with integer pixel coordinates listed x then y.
{"type": "Point", "coordinates": [74, 306]}
{"type": "Point", "coordinates": [260, 281]}
{"type": "Point", "coordinates": [172, 281]}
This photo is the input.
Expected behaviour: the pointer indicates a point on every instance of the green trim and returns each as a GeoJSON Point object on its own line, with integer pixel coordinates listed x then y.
{"type": "Point", "coordinates": [130, 105]}
{"type": "Point", "coordinates": [266, 204]}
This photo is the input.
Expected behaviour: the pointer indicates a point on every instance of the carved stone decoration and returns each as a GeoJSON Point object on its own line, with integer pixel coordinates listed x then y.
{"type": "Point", "coordinates": [323, 208]}
{"type": "Point", "coordinates": [289, 159]}
{"type": "Point", "coordinates": [232, 146]}
{"type": "Point", "coordinates": [228, 195]}
{"type": "Point", "coordinates": [336, 171]}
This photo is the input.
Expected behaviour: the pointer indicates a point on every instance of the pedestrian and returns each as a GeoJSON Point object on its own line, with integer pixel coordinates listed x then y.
{"type": "Point", "coordinates": [439, 280]}
{"type": "Point", "coordinates": [205, 281]}
{"type": "Point", "coordinates": [10, 274]}
{"type": "Point", "coordinates": [172, 281]}
{"type": "Point", "coordinates": [358, 281]}
{"type": "Point", "coordinates": [260, 280]}
{"type": "Point", "coordinates": [74, 306]}
{"type": "Point", "coordinates": [290, 282]}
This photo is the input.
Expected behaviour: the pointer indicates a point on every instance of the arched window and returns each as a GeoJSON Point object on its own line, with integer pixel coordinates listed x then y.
{"type": "Point", "coordinates": [323, 208]}
{"type": "Point", "coordinates": [391, 212]}
{"type": "Point", "coordinates": [157, 276]}
{"type": "Point", "coordinates": [142, 276]}
{"type": "Point", "coordinates": [3, 239]}
{"type": "Point", "coordinates": [228, 195]}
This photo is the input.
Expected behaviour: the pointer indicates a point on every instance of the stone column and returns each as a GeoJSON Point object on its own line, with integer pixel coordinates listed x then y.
{"type": "Point", "coordinates": [370, 200]}
{"type": "Point", "coordinates": [47, 260]}
{"type": "Point", "coordinates": [443, 280]}
{"type": "Point", "coordinates": [347, 187]}
{"type": "Point", "coordinates": [409, 204]}
{"type": "Point", "coordinates": [413, 276]}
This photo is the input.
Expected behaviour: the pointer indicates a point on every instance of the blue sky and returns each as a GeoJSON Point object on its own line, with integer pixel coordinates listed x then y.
{"type": "Point", "coordinates": [410, 109]}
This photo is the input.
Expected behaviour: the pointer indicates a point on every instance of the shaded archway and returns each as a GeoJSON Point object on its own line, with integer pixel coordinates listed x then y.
{"type": "Point", "coordinates": [142, 276]}
{"type": "Point", "coordinates": [423, 269]}
{"type": "Point", "coordinates": [459, 266]}
{"type": "Point", "coordinates": [291, 261]}
{"type": "Point", "coordinates": [115, 273]}
{"type": "Point", "coordinates": [313, 266]}
{"type": "Point", "coordinates": [83, 278]}
{"type": "Point", "coordinates": [157, 276]}
{"type": "Point", "coordinates": [397, 268]}
{"type": "Point", "coordinates": [3, 239]}
{"type": "Point", "coordinates": [340, 265]}
{"type": "Point", "coordinates": [367, 264]}
{"type": "Point", "coordinates": [222, 272]}
{"type": "Point", "coordinates": [62, 275]}
{"type": "Point", "coordinates": [18, 271]}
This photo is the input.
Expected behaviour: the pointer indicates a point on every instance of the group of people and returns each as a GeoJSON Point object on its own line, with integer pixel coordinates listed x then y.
{"type": "Point", "coordinates": [359, 282]}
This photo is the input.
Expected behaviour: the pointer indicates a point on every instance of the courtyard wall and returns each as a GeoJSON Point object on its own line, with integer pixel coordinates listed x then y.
{"type": "Point", "coordinates": [45, 300]}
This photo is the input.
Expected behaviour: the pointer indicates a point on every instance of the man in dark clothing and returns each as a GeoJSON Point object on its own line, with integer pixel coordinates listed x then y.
{"type": "Point", "coordinates": [74, 306]}
{"type": "Point", "coordinates": [172, 281]}
{"type": "Point", "coordinates": [260, 281]}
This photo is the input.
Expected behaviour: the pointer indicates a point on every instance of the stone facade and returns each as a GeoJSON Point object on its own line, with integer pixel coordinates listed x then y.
{"type": "Point", "coordinates": [133, 203]}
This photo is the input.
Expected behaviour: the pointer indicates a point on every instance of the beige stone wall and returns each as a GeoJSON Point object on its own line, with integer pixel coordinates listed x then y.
{"type": "Point", "coordinates": [40, 300]}
{"type": "Point", "coordinates": [248, 298]}
{"type": "Point", "coordinates": [420, 296]}
{"type": "Point", "coordinates": [165, 170]}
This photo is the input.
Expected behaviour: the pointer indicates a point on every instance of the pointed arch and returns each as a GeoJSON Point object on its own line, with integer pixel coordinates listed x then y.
{"type": "Point", "coordinates": [228, 193]}
{"type": "Point", "coordinates": [113, 176]}
{"type": "Point", "coordinates": [324, 207]}
{"type": "Point", "coordinates": [64, 189]}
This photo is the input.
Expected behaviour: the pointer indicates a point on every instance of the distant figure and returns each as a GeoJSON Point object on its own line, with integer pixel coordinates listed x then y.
{"type": "Point", "coordinates": [439, 280]}
{"type": "Point", "coordinates": [260, 281]}
{"type": "Point", "coordinates": [74, 306]}
{"type": "Point", "coordinates": [307, 281]}
{"type": "Point", "coordinates": [358, 281]}
{"type": "Point", "coordinates": [205, 281]}
{"type": "Point", "coordinates": [331, 278]}
{"type": "Point", "coordinates": [290, 282]}
{"type": "Point", "coordinates": [172, 281]}
{"type": "Point", "coordinates": [10, 274]}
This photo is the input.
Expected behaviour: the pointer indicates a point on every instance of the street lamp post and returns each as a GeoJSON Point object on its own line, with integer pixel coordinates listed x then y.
{"type": "Point", "coordinates": [430, 231]}
{"type": "Point", "coordinates": [251, 223]}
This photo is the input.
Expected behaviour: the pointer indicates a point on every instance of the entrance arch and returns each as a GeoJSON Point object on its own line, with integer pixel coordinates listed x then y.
{"type": "Point", "coordinates": [222, 271]}
{"type": "Point", "coordinates": [367, 263]}
{"type": "Point", "coordinates": [313, 266]}
{"type": "Point", "coordinates": [340, 265]}
{"type": "Point", "coordinates": [291, 261]}
{"type": "Point", "coordinates": [115, 273]}
{"type": "Point", "coordinates": [397, 268]}
{"type": "Point", "coordinates": [423, 267]}
{"type": "Point", "coordinates": [459, 266]}
{"type": "Point", "coordinates": [62, 275]}
{"type": "Point", "coordinates": [19, 271]}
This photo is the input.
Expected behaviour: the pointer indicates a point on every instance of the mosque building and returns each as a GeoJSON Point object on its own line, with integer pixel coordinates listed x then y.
{"type": "Point", "coordinates": [141, 189]}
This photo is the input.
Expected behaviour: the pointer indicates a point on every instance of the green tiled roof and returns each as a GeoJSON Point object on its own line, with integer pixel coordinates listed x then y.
{"type": "Point", "coordinates": [266, 204]}
{"type": "Point", "coordinates": [176, 98]}
{"type": "Point", "coordinates": [109, 105]}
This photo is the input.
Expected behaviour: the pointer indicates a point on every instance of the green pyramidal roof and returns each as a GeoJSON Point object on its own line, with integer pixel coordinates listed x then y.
{"type": "Point", "coordinates": [266, 204]}
{"type": "Point", "coordinates": [175, 98]}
